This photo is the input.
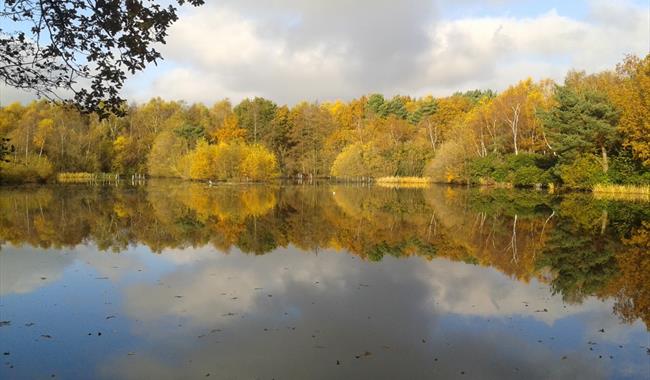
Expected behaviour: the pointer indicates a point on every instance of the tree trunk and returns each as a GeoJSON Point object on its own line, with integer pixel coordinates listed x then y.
{"type": "Point", "coordinates": [27, 145]}
{"type": "Point", "coordinates": [514, 126]}
{"type": "Point", "coordinates": [605, 161]}
{"type": "Point", "coordinates": [433, 141]}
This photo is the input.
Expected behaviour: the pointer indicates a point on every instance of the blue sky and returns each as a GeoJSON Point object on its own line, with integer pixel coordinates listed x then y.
{"type": "Point", "coordinates": [290, 50]}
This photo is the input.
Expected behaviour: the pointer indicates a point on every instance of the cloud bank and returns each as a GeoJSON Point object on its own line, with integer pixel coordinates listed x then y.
{"type": "Point", "coordinates": [290, 50]}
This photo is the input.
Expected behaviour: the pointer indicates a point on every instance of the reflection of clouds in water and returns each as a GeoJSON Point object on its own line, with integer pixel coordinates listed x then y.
{"type": "Point", "coordinates": [206, 282]}
{"type": "Point", "coordinates": [471, 290]}
{"type": "Point", "coordinates": [339, 306]}
{"type": "Point", "coordinates": [485, 292]}
{"type": "Point", "coordinates": [496, 356]}
{"type": "Point", "coordinates": [615, 331]}
{"type": "Point", "coordinates": [355, 307]}
{"type": "Point", "coordinates": [25, 269]}
{"type": "Point", "coordinates": [107, 264]}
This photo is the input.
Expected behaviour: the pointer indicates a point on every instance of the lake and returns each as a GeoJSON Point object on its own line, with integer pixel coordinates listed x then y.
{"type": "Point", "coordinates": [167, 279]}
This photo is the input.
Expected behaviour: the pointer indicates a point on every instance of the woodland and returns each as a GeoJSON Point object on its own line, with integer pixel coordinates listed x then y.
{"type": "Point", "coordinates": [591, 129]}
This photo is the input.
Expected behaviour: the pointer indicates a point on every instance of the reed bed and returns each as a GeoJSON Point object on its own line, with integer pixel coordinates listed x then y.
{"type": "Point", "coordinates": [84, 177]}
{"type": "Point", "coordinates": [404, 182]}
{"type": "Point", "coordinates": [622, 192]}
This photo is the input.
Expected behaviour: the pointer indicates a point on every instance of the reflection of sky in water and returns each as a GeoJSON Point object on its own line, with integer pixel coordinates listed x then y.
{"type": "Point", "coordinates": [292, 314]}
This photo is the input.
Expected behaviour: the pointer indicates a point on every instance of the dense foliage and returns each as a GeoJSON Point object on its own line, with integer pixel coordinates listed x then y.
{"type": "Point", "coordinates": [592, 129]}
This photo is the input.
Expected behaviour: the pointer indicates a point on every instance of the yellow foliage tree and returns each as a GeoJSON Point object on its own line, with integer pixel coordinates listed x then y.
{"type": "Point", "coordinates": [165, 155]}
{"type": "Point", "coordinates": [203, 161]}
{"type": "Point", "coordinates": [633, 100]}
{"type": "Point", "coordinates": [259, 164]}
{"type": "Point", "coordinates": [43, 130]}
{"type": "Point", "coordinates": [229, 131]}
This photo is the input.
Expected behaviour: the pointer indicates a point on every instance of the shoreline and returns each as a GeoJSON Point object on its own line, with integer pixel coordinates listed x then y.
{"type": "Point", "coordinates": [600, 191]}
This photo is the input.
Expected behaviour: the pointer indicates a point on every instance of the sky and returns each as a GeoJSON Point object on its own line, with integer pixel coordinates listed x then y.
{"type": "Point", "coordinates": [320, 50]}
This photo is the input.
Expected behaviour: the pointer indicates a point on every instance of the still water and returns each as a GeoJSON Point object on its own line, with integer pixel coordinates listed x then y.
{"type": "Point", "coordinates": [171, 280]}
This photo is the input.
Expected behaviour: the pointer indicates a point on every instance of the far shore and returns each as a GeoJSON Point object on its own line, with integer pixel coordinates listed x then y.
{"type": "Point", "coordinates": [600, 191]}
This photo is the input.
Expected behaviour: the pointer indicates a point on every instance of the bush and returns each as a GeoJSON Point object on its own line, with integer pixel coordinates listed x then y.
{"type": "Point", "coordinates": [624, 170]}
{"type": "Point", "coordinates": [583, 173]}
{"type": "Point", "coordinates": [528, 176]}
{"type": "Point", "coordinates": [516, 161]}
{"type": "Point", "coordinates": [490, 168]}
{"type": "Point", "coordinates": [30, 169]}
{"type": "Point", "coordinates": [520, 170]}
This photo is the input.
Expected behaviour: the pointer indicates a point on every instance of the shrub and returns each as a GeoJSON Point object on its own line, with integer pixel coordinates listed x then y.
{"type": "Point", "coordinates": [27, 169]}
{"type": "Point", "coordinates": [487, 169]}
{"type": "Point", "coordinates": [625, 170]}
{"type": "Point", "coordinates": [528, 176]}
{"type": "Point", "coordinates": [520, 170]}
{"type": "Point", "coordinates": [583, 173]}
{"type": "Point", "coordinates": [516, 161]}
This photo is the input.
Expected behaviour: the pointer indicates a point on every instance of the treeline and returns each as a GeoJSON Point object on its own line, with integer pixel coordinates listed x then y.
{"type": "Point", "coordinates": [581, 246]}
{"type": "Point", "coordinates": [590, 129]}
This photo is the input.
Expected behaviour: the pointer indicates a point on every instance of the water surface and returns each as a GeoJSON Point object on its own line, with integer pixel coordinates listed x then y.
{"type": "Point", "coordinates": [181, 280]}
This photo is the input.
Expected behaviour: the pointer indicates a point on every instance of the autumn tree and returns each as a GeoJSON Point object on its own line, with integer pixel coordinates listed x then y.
{"type": "Point", "coordinates": [279, 136]}
{"type": "Point", "coordinates": [255, 117]}
{"type": "Point", "coordinates": [166, 152]}
{"type": "Point", "coordinates": [218, 114]}
{"type": "Point", "coordinates": [43, 130]}
{"type": "Point", "coordinates": [259, 164]}
{"type": "Point", "coordinates": [423, 115]}
{"type": "Point", "coordinates": [202, 161]}
{"type": "Point", "coordinates": [310, 126]}
{"type": "Point", "coordinates": [229, 131]}
{"type": "Point", "coordinates": [631, 97]}
{"type": "Point", "coordinates": [517, 109]}
{"type": "Point", "coordinates": [362, 161]}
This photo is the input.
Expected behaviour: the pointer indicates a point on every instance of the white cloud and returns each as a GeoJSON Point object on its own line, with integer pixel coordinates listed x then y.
{"type": "Point", "coordinates": [495, 51]}
{"type": "Point", "coordinates": [290, 50]}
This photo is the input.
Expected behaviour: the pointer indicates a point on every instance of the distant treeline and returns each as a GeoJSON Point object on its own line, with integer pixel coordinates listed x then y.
{"type": "Point", "coordinates": [591, 129]}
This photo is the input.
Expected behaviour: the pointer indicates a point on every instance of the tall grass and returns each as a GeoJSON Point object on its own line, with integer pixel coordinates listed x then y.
{"type": "Point", "coordinates": [84, 177]}
{"type": "Point", "coordinates": [622, 192]}
{"type": "Point", "coordinates": [404, 182]}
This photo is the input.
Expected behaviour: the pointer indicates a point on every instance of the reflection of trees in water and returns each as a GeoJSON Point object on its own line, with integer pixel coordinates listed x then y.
{"type": "Point", "coordinates": [581, 246]}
